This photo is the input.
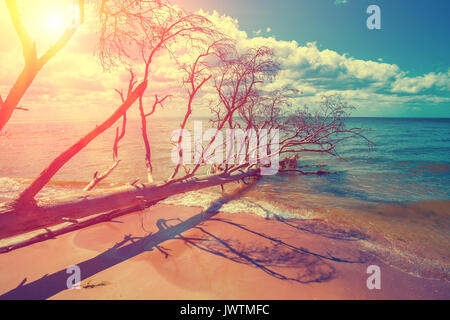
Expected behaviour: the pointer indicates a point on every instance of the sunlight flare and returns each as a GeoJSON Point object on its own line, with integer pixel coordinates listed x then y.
{"type": "Point", "coordinates": [47, 20]}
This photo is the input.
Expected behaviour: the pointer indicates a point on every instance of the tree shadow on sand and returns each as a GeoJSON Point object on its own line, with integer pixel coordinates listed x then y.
{"type": "Point", "coordinates": [278, 259]}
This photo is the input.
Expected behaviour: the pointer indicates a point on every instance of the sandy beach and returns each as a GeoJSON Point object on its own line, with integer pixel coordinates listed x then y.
{"type": "Point", "coordinates": [176, 252]}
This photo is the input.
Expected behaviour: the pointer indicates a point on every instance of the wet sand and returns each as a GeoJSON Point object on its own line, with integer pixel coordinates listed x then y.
{"type": "Point", "coordinates": [176, 252]}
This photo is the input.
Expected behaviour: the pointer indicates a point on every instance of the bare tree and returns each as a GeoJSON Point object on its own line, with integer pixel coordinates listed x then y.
{"type": "Point", "coordinates": [33, 63]}
{"type": "Point", "coordinates": [145, 139]}
{"type": "Point", "coordinates": [303, 130]}
{"type": "Point", "coordinates": [137, 31]}
{"type": "Point", "coordinates": [239, 82]}
{"type": "Point", "coordinates": [235, 85]}
{"type": "Point", "coordinates": [98, 178]}
{"type": "Point", "coordinates": [244, 104]}
{"type": "Point", "coordinates": [320, 131]}
{"type": "Point", "coordinates": [197, 74]}
{"type": "Point", "coordinates": [158, 26]}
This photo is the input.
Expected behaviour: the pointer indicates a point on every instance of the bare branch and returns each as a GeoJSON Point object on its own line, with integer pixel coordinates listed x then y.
{"type": "Point", "coordinates": [97, 179]}
{"type": "Point", "coordinates": [236, 86]}
{"type": "Point", "coordinates": [196, 78]}
{"type": "Point", "coordinates": [22, 33]}
{"type": "Point", "coordinates": [33, 64]}
{"type": "Point", "coordinates": [156, 103]}
{"type": "Point", "coordinates": [53, 50]}
{"type": "Point", "coordinates": [30, 192]}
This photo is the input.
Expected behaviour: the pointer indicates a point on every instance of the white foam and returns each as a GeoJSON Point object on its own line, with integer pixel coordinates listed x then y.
{"type": "Point", "coordinates": [258, 207]}
{"type": "Point", "coordinates": [10, 187]}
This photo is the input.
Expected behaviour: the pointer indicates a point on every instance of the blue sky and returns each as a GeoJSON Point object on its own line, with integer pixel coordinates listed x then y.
{"type": "Point", "coordinates": [414, 37]}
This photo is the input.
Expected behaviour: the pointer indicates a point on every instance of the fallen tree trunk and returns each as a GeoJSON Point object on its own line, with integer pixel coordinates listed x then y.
{"type": "Point", "coordinates": [50, 232]}
{"type": "Point", "coordinates": [15, 220]}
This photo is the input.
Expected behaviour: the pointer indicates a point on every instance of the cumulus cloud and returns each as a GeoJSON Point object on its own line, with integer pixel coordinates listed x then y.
{"type": "Point", "coordinates": [320, 72]}
{"type": "Point", "coordinates": [439, 81]}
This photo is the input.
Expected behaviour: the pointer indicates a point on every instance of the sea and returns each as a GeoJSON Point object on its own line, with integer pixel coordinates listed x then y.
{"type": "Point", "coordinates": [396, 192]}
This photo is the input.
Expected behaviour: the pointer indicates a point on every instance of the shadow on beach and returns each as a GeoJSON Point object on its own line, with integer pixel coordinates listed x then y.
{"type": "Point", "coordinates": [279, 259]}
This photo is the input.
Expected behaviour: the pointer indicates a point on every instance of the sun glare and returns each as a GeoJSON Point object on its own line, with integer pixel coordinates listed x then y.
{"type": "Point", "coordinates": [54, 23]}
{"type": "Point", "coordinates": [47, 20]}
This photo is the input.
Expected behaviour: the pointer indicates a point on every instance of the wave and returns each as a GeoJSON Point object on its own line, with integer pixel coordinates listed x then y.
{"type": "Point", "coordinates": [411, 237]}
{"type": "Point", "coordinates": [262, 208]}
{"type": "Point", "coordinates": [10, 188]}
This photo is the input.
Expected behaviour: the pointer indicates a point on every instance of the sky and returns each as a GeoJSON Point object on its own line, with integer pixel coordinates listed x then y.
{"type": "Point", "coordinates": [323, 46]}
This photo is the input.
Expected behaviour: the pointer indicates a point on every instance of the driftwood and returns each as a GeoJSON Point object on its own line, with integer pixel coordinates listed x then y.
{"type": "Point", "coordinates": [15, 220]}
{"type": "Point", "coordinates": [38, 235]}
{"type": "Point", "coordinates": [98, 178]}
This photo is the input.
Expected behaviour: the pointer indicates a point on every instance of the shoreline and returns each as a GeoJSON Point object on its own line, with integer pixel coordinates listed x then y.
{"type": "Point", "coordinates": [228, 256]}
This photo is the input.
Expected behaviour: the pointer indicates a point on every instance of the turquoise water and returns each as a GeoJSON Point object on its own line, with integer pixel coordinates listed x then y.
{"type": "Point", "coordinates": [410, 161]}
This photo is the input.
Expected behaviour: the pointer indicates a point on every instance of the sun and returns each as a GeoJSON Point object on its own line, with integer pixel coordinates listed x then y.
{"type": "Point", "coordinates": [55, 21]}
{"type": "Point", "coordinates": [49, 27]}
{"type": "Point", "coordinates": [47, 20]}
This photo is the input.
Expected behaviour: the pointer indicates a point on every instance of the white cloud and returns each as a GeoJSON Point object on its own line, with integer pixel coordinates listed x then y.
{"type": "Point", "coordinates": [317, 72]}
{"type": "Point", "coordinates": [420, 83]}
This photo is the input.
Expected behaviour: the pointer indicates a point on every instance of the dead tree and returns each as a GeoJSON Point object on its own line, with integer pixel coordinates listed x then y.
{"type": "Point", "coordinates": [236, 84]}
{"type": "Point", "coordinates": [244, 104]}
{"type": "Point", "coordinates": [137, 30]}
{"type": "Point", "coordinates": [319, 131]}
{"type": "Point", "coordinates": [145, 139]}
{"type": "Point", "coordinates": [197, 75]}
{"type": "Point", "coordinates": [33, 63]}
{"type": "Point", "coordinates": [303, 130]}
{"type": "Point", "coordinates": [158, 26]}
{"type": "Point", "coordinates": [98, 178]}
